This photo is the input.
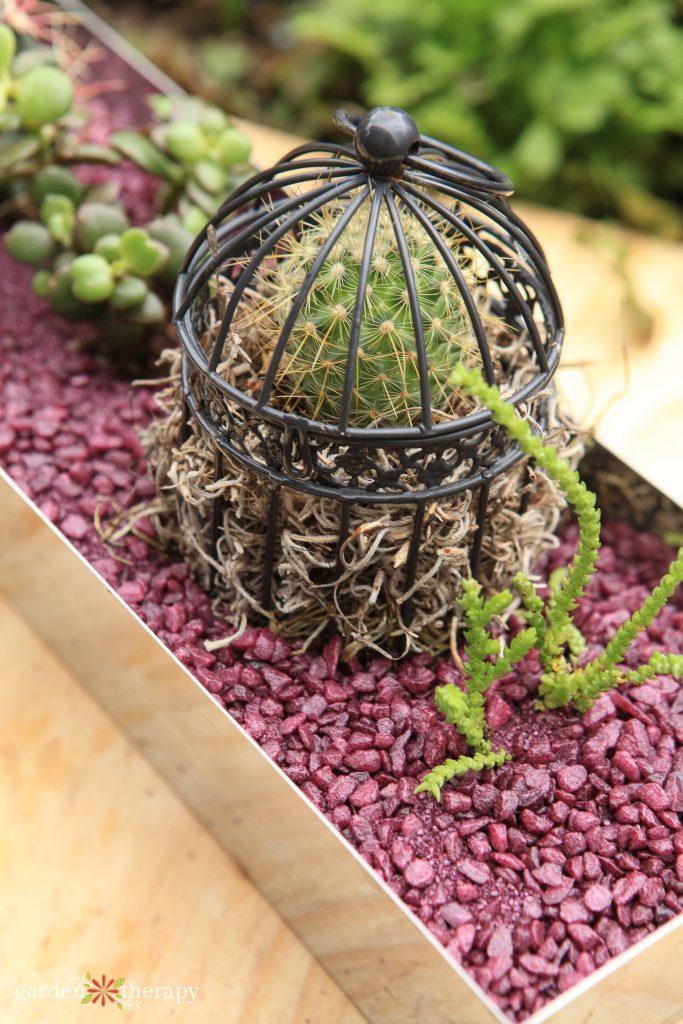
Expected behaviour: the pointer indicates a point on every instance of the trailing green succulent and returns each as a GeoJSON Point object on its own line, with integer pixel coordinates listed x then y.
{"type": "Point", "coordinates": [90, 263]}
{"type": "Point", "coordinates": [465, 708]}
{"type": "Point", "coordinates": [568, 678]}
{"type": "Point", "coordinates": [196, 152]}
{"type": "Point", "coordinates": [386, 385]}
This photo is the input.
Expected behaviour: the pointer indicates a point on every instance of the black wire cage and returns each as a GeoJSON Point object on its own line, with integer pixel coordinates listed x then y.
{"type": "Point", "coordinates": [394, 183]}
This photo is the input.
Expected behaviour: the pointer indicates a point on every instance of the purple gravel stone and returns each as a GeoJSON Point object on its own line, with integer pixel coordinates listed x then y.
{"type": "Point", "coordinates": [75, 527]}
{"type": "Point", "coordinates": [419, 873]}
{"type": "Point", "coordinates": [367, 793]}
{"type": "Point", "coordinates": [653, 796]}
{"type": "Point", "coordinates": [572, 778]}
{"type": "Point", "coordinates": [340, 791]}
{"type": "Point", "coordinates": [364, 760]}
{"type": "Point", "coordinates": [475, 871]}
{"type": "Point", "coordinates": [597, 898]}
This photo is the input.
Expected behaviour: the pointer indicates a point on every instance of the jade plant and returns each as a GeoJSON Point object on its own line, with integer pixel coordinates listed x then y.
{"type": "Point", "coordinates": [568, 676]}
{"type": "Point", "coordinates": [386, 388]}
{"type": "Point", "coordinates": [90, 262]}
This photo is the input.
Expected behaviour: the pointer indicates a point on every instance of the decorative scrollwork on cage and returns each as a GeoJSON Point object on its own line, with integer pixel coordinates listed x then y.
{"type": "Point", "coordinates": [391, 191]}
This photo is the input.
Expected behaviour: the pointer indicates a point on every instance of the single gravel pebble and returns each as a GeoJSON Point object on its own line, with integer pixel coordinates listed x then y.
{"type": "Point", "coordinates": [653, 796]}
{"type": "Point", "coordinates": [583, 936]}
{"type": "Point", "coordinates": [572, 778]}
{"type": "Point", "coordinates": [364, 760]}
{"type": "Point", "coordinates": [365, 794]}
{"type": "Point", "coordinates": [419, 873]}
{"type": "Point", "coordinates": [75, 527]}
{"type": "Point", "coordinates": [475, 871]}
{"type": "Point", "coordinates": [627, 888]}
{"type": "Point", "coordinates": [537, 965]}
{"type": "Point", "coordinates": [597, 898]}
{"type": "Point", "coordinates": [340, 791]}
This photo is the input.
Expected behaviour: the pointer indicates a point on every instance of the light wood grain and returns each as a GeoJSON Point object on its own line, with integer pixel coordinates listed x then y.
{"type": "Point", "coordinates": [103, 869]}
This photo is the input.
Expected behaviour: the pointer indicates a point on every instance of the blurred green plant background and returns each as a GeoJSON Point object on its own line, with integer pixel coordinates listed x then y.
{"type": "Point", "coordinates": [579, 101]}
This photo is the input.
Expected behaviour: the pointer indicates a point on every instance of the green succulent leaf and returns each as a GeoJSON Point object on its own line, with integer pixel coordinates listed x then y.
{"type": "Point", "coordinates": [211, 177]}
{"type": "Point", "coordinates": [94, 220]}
{"type": "Point", "coordinates": [109, 246]}
{"type": "Point", "coordinates": [129, 292]}
{"type": "Point", "coordinates": [92, 278]}
{"type": "Point", "coordinates": [233, 147]}
{"type": "Point", "coordinates": [161, 105]}
{"type": "Point", "coordinates": [194, 220]}
{"type": "Point", "coordinates": [29, 242]}
{"type": "Point", "coordinates": [41, 283]}
{"type": "Point", "coordinates": [151, 311]}
{"type": "Point", "coordinates": [142, 254]}
{"type": "Point", "coordinates": [59, 214]}
{"type": "Point", "coordinates": [185, 141]}
{"type": "Point", "coordinates": [177, 239]}
{"type": "Point", "coordinates": [43, 95]}
{"type": "Point", "coordinates": [146, 155]}
{"type": "Point", "coordinates": [8, 46]}
{"type": "Point", "coordinates": [17, 151]}
{"type": "Point", "coordinates": [214, 120]}
{"type": "Point", "coordinates": [90, 153]}
{"type": "Point", "coordinates": [54, 180]}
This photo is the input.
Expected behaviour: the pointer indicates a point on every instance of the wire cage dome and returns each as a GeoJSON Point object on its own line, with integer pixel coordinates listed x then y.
{"type": "Point", "coordinates": [321, 312]}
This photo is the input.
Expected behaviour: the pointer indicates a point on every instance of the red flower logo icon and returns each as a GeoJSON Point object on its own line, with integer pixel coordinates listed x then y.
{"type": "Point", "coordinates": [105, 991]}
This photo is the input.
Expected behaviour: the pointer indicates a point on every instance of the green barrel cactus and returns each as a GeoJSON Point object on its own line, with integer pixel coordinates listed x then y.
{"type": "Point", "coordinates": [386, 389]}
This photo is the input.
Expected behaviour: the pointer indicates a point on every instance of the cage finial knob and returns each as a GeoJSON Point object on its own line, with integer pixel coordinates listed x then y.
{"type": "Point", "coordinates": [382, 138]}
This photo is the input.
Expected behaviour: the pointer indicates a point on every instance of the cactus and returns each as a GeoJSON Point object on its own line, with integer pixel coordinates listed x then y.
{"type": "Point", "coordinates": [386, 389]}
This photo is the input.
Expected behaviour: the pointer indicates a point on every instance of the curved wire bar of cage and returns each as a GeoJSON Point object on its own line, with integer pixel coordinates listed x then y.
{"type": "Point", "coordinates": [309, 203]}
{"type": "Point", "coordinates": [489, 256]}
{"type": "Point", "coordinates": [341, 493]}
{"type": "Point", "coordinates": [415, 312]}
{"type": "Point", "coordinates": [510, 223]}
{"type": "Point", "coordinates": [359, 306]}
{"type": "Point", "coordinates": [200, 269]}
{"type": "Point", "coordinates": [207, 262]}
{"type": "Point", "coordinates": [456, 273]}
{"type": "Point", "coordinates": [302, 295]}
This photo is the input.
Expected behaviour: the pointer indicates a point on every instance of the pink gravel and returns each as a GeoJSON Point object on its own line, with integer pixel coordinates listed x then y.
{"type": "Point", "coordinates": [532, 875]}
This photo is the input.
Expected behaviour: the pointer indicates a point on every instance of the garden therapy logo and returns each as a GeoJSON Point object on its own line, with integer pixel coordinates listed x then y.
{"type": "Point", "coordinates": [104, 991]}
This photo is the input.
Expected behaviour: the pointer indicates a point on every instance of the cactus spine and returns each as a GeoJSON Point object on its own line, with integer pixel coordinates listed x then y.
{"type": "Point", "coordinates": [387, 379]}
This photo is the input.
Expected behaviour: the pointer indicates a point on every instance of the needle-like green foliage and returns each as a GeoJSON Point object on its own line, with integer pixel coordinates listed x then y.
{"type": "Point", "coordinates": [560, 644]}
{"type": "Point", "coordinates": [488, 658]}
{"type": "Point", "coordinates": [551, 630]}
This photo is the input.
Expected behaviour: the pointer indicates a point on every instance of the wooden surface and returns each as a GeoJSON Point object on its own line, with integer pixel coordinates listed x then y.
{"type": "Point", "coordinates": [103, 869]}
